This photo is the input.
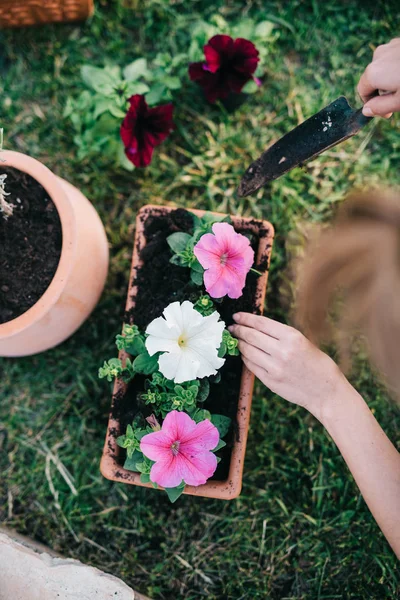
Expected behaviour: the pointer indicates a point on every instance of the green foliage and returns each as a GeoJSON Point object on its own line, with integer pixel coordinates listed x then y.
{"type": "Point", "coordinates": [222, 423]}
{"type": "Point", "coordinates": [201, 414]}
{"type": "Point", "coordinates": [133, 342]}
{"type": "Point", "coordinates": [129, 441]}
{"type": "Point", "coordinates": [204, 305]}
{"type": "Point", "coordinates": [174, 493]}
{"type": "Point", "coordinates": [164, 395]}
{"type": "Point", "coordinates": [228, 345]}
{"type": "Point", "coordinates": [114, 368]}
{"type": "Point", "coordinates": [96, 114]}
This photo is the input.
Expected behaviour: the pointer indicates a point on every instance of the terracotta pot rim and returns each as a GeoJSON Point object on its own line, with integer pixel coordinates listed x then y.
{"type": "Point", "coordinates": [229, 488]}
{"type": "Point", "coordinates": [50, 182]}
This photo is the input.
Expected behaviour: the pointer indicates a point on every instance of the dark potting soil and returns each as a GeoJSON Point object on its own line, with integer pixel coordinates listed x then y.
{"type": "Point", "coordinates": [159, 282]}
{"type": "Point", "coordinates": [30, 244]}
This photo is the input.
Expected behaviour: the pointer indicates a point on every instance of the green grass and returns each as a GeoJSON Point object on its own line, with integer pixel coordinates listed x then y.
{"type": "Point", "coordinates": [300, 530]}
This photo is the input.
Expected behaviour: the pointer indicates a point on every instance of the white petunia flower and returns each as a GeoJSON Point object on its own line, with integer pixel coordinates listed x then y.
{"type": "Point", "coordinates": [190, 342]}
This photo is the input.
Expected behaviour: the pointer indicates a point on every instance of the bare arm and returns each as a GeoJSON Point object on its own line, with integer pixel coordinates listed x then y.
{"type": "Point", "coordinates": [286, 362]}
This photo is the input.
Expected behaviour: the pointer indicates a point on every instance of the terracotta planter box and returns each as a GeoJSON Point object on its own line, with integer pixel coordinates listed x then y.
{"type": "Point", "coordinates": [81, 272]}
{"type": "Point", "coordinates": [230, 487]}
{"type": "Point", "coordinates": [19, 13]}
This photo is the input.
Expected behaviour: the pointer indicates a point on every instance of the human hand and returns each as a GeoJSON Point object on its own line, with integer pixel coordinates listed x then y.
{"type": "Point", "coordinates": [383, 73]}
{"type": "Point", "coordinates": [289, 364]}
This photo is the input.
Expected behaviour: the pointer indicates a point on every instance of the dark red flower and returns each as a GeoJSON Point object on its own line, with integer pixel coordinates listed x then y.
{"type": "Point", "coordinates": [145, 128]}
{"type": "Point", "coordinates": [229, 65]}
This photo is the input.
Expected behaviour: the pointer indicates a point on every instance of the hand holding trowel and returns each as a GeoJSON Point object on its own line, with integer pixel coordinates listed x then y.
{"type": "Point", "coordinates": [330, 126]}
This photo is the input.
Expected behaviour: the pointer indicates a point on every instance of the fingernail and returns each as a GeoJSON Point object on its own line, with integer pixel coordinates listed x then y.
{"type": "Point", "coordinates": [367, 112]}
{"type": "Point", "coordinates": [231, 327]}
{"type": "Point", "coordinates": [388, 115]}
{"type": "Point", "coordinates": [236, 316]}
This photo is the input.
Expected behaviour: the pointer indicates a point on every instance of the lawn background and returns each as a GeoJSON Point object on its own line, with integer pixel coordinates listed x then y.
{"type": "Point", "coordinates": [300, 529]}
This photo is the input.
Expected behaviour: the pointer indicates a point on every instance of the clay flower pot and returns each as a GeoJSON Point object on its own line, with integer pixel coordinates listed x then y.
{"type": "Point", "coordinates": [19, 13]}
{"type": "Point", "coordinates": [229, 488]}
{"type": "Point", "coordinates": [80, 276]}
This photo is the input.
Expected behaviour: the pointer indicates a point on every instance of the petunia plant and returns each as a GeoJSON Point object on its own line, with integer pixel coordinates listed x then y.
{"type": "Point", "coordinates": [178, 352]}
{"type": "Point", "coordinates": [177, 356]}
{"type": "Point", "coordinates": [228, 59]}
{"type": "Point", "coordinates": [113, 97]}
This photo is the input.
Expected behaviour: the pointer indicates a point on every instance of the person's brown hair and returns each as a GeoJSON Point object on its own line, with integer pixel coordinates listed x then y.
{"type": "Point", "coordinates": [359, 258]}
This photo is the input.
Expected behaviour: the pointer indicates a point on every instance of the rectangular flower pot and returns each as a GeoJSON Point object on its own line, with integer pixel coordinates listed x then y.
{"type": "Point", "coordinates": [230, 487]}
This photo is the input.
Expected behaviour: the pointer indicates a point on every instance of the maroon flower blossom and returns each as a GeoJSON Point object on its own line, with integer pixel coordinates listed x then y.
{"type": "Point", "coordinates": [145, 128]}
{"type": "Point", "coordinates": [229, 65]}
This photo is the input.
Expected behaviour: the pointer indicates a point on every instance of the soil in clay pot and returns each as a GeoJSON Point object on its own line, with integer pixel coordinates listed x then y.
{"type": "Point", "coordinates": [159, 283]}
{"type": "Point", "coordinates": [30, 244]}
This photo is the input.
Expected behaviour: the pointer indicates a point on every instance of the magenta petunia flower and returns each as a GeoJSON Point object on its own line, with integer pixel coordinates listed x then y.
{"type": "Point", "coordinates": [229, 65]}
{"type": "Point", "coordinates": [227, 258]}
{"type": "Point", "coordinates": [181, 451]}
{"type": "Point", "coordinates": [144, 128]}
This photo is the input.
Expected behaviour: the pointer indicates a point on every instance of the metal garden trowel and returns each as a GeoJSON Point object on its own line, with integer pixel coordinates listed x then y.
{"type": "Point", "coordinates": [330, 126]}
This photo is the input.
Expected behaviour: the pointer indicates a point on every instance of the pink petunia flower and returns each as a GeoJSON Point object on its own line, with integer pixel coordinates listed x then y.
{"type": "Point", "coordinates": [227, 258]}
{"type": "Point", "coordinates": [181, 451]}
{"type": "Point", "coordinates": [229, 65]}
{"type": "Point", "coordinates": [144, 128]}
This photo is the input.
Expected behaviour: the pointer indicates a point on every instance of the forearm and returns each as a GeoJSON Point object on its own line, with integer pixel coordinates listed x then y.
{"type": "Point", "coordinates": [370, 456]}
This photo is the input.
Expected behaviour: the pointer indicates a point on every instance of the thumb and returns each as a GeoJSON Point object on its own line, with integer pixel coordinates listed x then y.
{"type": "Point", "coordinates": [382, 106]}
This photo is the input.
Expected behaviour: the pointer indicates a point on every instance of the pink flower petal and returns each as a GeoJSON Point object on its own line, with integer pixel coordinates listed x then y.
{"type": "Point", "coordinates": [157, 445]}
{"type": "Point", "coordinates": [166, 473]}
{"type": "Point", "coordinates": [204, 437]}
{"type": "Point", "coordinates": [215, 283]}
{"type": "Point", "coordinates": [208, 251]}
{"type": "Point", "coordinates": [197, 468]}
{"type": "Point", "coordinates": [178, 425]}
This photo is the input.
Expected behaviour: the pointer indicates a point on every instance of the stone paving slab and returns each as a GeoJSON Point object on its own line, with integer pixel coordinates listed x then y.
{"type": "Point", "coordinates": [29, 572]}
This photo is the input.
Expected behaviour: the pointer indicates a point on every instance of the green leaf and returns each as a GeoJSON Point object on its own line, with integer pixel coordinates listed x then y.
{"type": "Point", "coordinates": [174, 493]}
{"type": "Point", "coordinates": [123, 160]}
{"type": "Point", "coordinates": [136, 87]}
{"type": "Point", "coordinates": [140, 433]}
{"type": "Point", "coordinates": [136, 347]}
{"type": "Point", "coordinates": [146, 364]}
{"type": "Point", "coordinates": [222, 350]}
{"type": "Point", "coordinates": [103, 81]}
{"type": "Point", "coordinates": [178, 241]}
{"type": "Point", "coordinates": [105, 126]}
{"type": "Point", "coordinates": [222, 423]}
{"type": "Point", "coordinates": [130, 463]}
{"type": "Point", "coordinates": [201, 415]}
{"type": "Point", "coordinates": [245, 29]}
{"type": "Point", "coordinates": [204, 390]}
{"type": "Point", "coordinates": [251, 87]}
{"type": "Point", "coordinates": [264, 29]}
{"type": "Point", "coordinates": [196, 266]}
{"type": "Point", "coordinates": [196, 277]}
{"type": "Point", "coordinates": [137, 68]}
{"type": "Point", "coordinates": [102, 106]}
{"type": "Point", "coordinates": [221, 444]}
{"type": "Point", "coordinates": [156, 94]}
{"type": "Point", "coordinates": [145, 478]}
{"type": "Point", "coordinates": [117, 112]}
{"type": "Point", "coordinates": [172, 83]}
